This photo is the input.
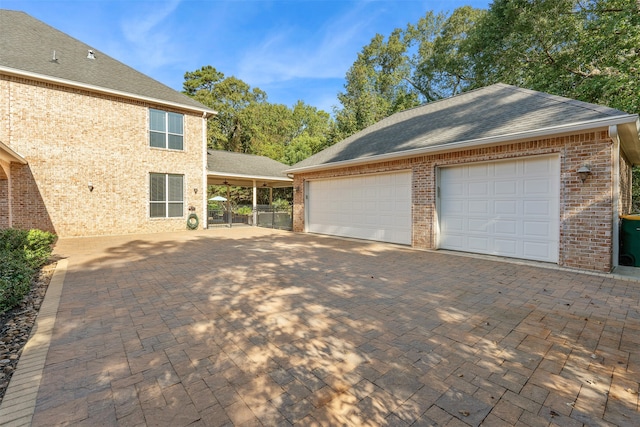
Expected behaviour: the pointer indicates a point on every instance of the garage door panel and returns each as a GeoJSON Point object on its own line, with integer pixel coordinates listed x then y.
{"type": "Point", "coordinates": [502, 226]}
{"type": "Point", "coordinates": [505, 169]}
{"type": "Point", "coordinates": [478, 225]}
{"type": "Point", "coordinates": [534, 187]}
{"type": "Point", "coordinates": [521, 218]}
{"type": "Point", "coordinates": [505, 207]}
{"type": "Point", "coordinates": [536, 228]}
{"type": "Point", "coordinates": [477, 171]}
{"type": "Point", "coordinates": [373, 207]}
{"type": "Point", "coordinates": [478, 206]}
{"type": "Point", "coordinates": [505, 188]}
{"type": "Point", "coordinates": [537, 207]}
{"type": "Point", "coordinates": [477, 189]}
{"type": "Point", "coordinates": [506, 247]}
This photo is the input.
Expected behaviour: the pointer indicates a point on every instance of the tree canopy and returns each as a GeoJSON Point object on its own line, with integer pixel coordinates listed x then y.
{"type": "Point", "coordinates": [246, 122]}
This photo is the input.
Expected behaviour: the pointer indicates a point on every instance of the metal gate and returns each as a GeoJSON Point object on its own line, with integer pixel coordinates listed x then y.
{"type": "Point", "coordinates": [275, 217]}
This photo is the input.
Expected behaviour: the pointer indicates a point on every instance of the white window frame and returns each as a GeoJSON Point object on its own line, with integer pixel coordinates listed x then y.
{"type": "Point", "coordinates": [167, 134]}
{"type": "Point", "coordinates": [166, 202]}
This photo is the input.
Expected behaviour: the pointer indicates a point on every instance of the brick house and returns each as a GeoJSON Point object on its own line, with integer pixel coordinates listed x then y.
{"type": "Point", "coordinates": [500, 170]}
{"type": "Point", "coordinates": [88, 145]}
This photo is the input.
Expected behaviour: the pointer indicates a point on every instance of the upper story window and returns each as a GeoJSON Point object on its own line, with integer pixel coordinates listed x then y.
{"type": "Point", "coordinates": [166, 130]}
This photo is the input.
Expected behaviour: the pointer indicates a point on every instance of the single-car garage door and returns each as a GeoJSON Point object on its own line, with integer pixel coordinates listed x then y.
{"type": "Point", "coordinates": [508, 208]}
{"type": "Point", "coordinates": [373, 207]}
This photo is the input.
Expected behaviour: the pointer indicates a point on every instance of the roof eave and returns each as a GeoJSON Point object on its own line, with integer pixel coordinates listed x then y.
{"type": "Point", "coordinates": [251, 177]}
{"type": "Point", "coordinates": [10, 156]}
{"type": "Point", "coordinates": [479, 142]}
{"type": "Point", "coordinates": [630, 140]}
{"type": "Point", "coordinates": [98, 89]}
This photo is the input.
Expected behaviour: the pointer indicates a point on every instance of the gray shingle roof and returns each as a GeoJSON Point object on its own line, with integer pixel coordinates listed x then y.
{"type": "Point", "coordinates": [226, 162]}
{"type": "Point", "coordinates": [27, 44]}
{"type": "Point", "coordinates": [489, 112]}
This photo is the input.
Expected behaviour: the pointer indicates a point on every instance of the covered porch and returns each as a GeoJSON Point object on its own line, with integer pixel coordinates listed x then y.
{"type": "Point", "coordinates": [229, 170]}
{"type": "Point", "coordinates": [7, 158]}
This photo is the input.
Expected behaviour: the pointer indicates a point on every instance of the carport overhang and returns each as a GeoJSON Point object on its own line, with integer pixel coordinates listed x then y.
{"type": "Point", "coordinates": [241, 180]}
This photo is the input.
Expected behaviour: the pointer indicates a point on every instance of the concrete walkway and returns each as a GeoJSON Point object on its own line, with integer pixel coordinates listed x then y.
{"type": "Point", "coordinates": [258, 327]}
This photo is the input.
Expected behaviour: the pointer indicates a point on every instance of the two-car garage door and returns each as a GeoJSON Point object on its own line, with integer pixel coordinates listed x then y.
{"type": "Point", "coordinates": [508, 208]}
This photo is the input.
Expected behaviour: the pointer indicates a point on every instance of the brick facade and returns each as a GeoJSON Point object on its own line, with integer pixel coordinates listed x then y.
{"type": "Point", "coordinates": [71, 137]}
{"type": "Point", "coordinates": [586, 216]}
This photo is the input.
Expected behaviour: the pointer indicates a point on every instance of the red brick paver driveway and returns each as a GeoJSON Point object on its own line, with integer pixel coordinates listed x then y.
{"type": "Point", "coordinates": [253, 327]}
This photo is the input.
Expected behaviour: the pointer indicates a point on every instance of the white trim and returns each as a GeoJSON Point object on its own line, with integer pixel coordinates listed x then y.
{"type": "Point", "coordinates": [249, 177]}
{"type": "Point", "coordinates": [205, 186]}
{"type": "Point", "coordinates": [615, 223]}
{"type": "Point", "coordinates": [479, 142]}
{"type": "Point", "coordinates": [98, 89]}
{"type": "Point", "coordinates": [9, 155]}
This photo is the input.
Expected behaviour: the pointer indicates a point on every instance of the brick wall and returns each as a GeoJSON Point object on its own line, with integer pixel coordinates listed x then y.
{"type": "Point", "coordinates": [72, 137]}
{"type": "Point", "coordinates": [585, 208]}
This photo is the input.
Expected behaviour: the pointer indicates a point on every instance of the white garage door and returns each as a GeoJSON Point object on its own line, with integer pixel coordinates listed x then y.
{"type": "Point", "coordinates": [509, 208]}
{"type": "Point", "coordinates": [373, 207]}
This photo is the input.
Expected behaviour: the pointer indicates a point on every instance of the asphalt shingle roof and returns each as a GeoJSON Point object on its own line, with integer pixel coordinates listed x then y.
{"type": "Point", "coordinates": [493, 111]}
{"type": "Point", "coordinates": [227, 162]}
{"type": "Point", "coordinates": [27, 44]}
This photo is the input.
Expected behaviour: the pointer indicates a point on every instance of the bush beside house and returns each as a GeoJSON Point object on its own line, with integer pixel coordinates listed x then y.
{"type": "Point", "coordinates": [22, 252]}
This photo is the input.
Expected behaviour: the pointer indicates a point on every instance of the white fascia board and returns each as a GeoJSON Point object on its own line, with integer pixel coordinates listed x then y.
{"type": "Point", "coordinates": [479, 142]}
{"type": "Point", "coordinates": [7, 154]}
{"type": "Point", "coordinates": [99, 89]}
{"type": "Point", "coordinates": [242, 176]}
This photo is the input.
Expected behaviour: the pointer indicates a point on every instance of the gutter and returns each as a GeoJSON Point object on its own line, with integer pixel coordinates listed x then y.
{"type": "Point", "coordinates": [99, 89]}
{"type": "Point", "coordinates": [472, 143]}
{"type": "Point", "coordinates": [250, 177]}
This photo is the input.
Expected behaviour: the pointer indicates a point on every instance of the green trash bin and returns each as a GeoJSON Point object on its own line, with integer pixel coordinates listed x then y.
{"type": "Point", "coordinates": [630, 240]}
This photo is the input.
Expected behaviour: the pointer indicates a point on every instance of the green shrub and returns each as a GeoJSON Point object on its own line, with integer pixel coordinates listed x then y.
{"type": "Point", "coordinates": [15, 279]}
{"type": "Point", "coordinates": [244, 210]}
{"type": "Point", "coordinates": [22, 252]}
{"type": "Point", "coordinates": [280, 204]}
{"type": "Point", "coordinates": [37, 249]}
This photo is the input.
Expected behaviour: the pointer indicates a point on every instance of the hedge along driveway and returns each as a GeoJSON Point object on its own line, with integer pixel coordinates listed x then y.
{"type": "Point", "coordinates": [251, 326]}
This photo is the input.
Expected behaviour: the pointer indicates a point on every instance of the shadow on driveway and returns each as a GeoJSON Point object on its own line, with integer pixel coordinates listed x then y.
{"type": "Point", "coordinates": [260, 327]}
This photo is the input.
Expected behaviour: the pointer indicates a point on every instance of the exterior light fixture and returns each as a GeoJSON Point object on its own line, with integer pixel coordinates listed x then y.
{"type": "Point", "coordinates": [90, 185]}
{"type": "Point", "coordinates": [584, 172]}
{"type": "Point", "coordinates": [195, 190]}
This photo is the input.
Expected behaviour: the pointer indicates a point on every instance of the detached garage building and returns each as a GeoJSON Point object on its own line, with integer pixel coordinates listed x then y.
{"type": "Point", "coordinates": [500, 170]}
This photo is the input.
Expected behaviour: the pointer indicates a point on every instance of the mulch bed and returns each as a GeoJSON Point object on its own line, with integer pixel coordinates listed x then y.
{"type": "Point", "coordinates": [16, 325]}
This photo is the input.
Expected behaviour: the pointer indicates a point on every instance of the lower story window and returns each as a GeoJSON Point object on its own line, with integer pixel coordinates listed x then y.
{"type": "Point", "coordinates": [166, 195]}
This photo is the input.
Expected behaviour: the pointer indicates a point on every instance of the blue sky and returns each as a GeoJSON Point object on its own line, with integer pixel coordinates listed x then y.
{"type": "Point", "coordinates": [293, 50]}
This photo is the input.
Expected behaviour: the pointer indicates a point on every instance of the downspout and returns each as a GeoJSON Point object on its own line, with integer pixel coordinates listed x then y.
{"type": "Point", "coordinates": [205, 187]}
{"type": "Point", "coordinates": [615, 154]}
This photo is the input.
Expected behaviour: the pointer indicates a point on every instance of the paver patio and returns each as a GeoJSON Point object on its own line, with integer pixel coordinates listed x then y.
{"type": "Point", "coordinates": [259, 327]}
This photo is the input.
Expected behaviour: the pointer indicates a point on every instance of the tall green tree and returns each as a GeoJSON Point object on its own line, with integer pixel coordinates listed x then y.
{"type": "Point", "coordinates": [247, 123]}
{"type": "Point", "coordinates": [583, 49]}
{"type": "Point", "coordinates": [377, 84]}
{"type": "Point", "coordinates": [421, 63]}
{"type": "Point", "coordinates": [228, 96]}
{"type": "Point", "coordinates": [442, 64]}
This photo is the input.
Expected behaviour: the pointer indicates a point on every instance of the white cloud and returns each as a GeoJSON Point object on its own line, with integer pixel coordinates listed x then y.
{"type": "Point", "coordinates": [326, 53]}
{"type": "Point", "coordinates": [147, 36]}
